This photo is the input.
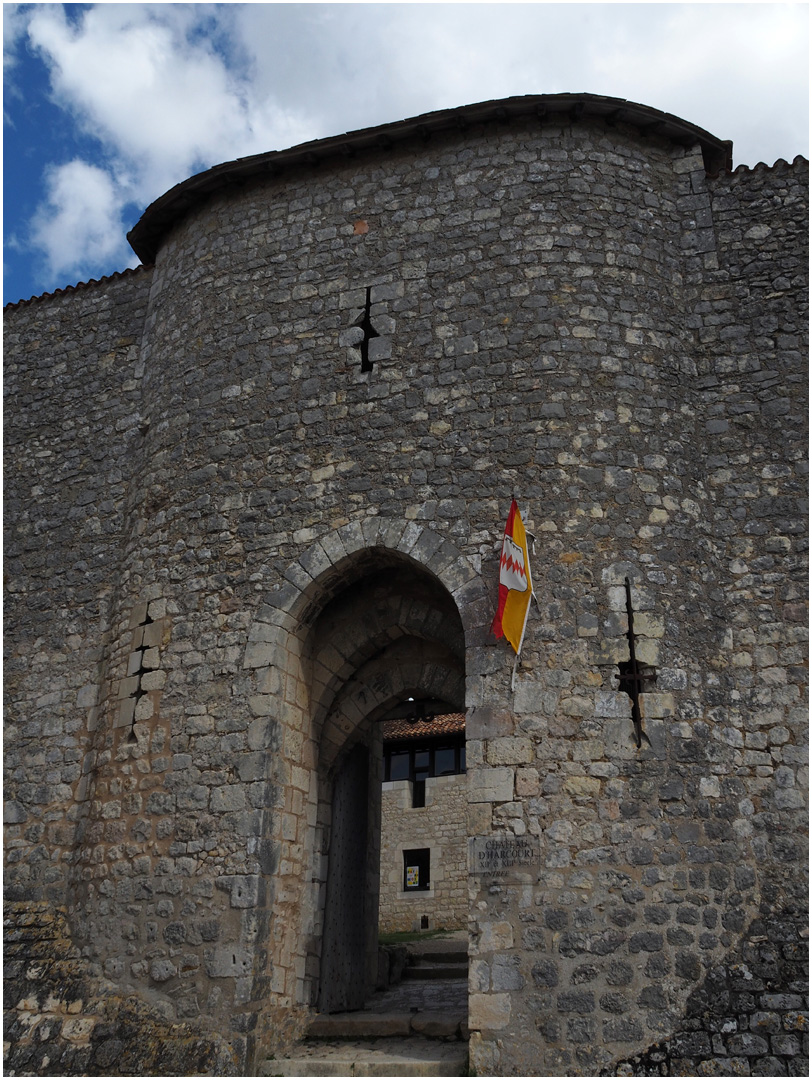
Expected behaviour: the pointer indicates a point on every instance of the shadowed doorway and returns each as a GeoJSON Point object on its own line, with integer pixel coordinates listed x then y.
{"type": "Point", "coordinates": [390, 634]}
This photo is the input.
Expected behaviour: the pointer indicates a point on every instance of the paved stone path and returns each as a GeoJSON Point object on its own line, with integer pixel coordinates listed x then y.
{"type": "Point", "coordinates": [438, 995]}
{"type": "Point", "coordinates": [428, 995]}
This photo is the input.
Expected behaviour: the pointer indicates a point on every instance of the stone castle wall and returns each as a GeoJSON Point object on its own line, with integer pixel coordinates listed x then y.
{"type": "Point", "coordinates": [72, 383]}
{"type": "Point", "coordinates": [62, 1020]}
{"type": "Point", "coordinates": [570, 313]}
{"type": "Point", "coordinates": [442, 827]}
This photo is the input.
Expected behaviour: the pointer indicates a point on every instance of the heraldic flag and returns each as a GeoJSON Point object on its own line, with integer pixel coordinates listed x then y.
{"type": "Point", "coordinates": [515, 583]}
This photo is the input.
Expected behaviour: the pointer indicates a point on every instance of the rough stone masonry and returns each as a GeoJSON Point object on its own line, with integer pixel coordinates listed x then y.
{"type": "Point", "coordinates": [254, 496]}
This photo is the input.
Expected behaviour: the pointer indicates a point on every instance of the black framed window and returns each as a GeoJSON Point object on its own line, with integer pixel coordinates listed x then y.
{"type": "Point", "coordinates": [420, 761]}
{"type": "Point", "coordinates": [399, 765]}
{"type": "Point", "coordinates": [416, 870]}
{"type": "Point", "coordinates": [446, 761]}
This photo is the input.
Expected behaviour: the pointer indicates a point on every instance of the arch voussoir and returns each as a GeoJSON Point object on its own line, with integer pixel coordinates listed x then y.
{"type": "Point", "coordinates": [352, 537]}
{"type": "Point", "coordinates": [330, 543]}
{"type": "Point", "coordinates": [315, 560]}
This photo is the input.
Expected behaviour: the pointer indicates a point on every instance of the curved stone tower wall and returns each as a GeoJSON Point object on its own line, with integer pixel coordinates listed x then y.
{"type": "Point", "coordinates": [569, 313]}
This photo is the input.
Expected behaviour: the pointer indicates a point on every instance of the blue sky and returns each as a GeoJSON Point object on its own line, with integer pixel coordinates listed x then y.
{"type": "Point", "coordinates": [106, 106]}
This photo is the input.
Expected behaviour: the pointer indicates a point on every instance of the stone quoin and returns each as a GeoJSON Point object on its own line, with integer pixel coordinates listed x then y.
{"type": "Point", "coordinates": [255, 492]}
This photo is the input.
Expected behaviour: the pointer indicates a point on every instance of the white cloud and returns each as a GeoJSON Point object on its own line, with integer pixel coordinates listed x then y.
{"type": "Point", "coordinates": [135, 79]}
{"type": "Point", "coordinates": [170, 89]}
{"type": "Point", "coordinates": [14, 30]}
{"type": "Point", "coordinates": [79, 226]}
{"type": "Point", "coordinates": [161, 103]}
{"type": "Point", "coordinates": [719, 66]}
{"type": "Point", "coordinates": [715, 65]}
{"type": "Point", "coordinates": [14, 24]}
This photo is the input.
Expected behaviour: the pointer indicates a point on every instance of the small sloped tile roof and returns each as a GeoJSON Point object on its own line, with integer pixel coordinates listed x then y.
{"type": "Point", "coordinates": [445, 724]}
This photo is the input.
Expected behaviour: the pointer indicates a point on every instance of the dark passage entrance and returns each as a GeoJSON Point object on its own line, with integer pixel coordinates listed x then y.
{"type": "Point", "coordinates": [389, 634]}
{"type": "Point", "coordinates": [343, 981]}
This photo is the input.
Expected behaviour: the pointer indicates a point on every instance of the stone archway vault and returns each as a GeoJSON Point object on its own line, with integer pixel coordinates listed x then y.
{"type": "Point", "coordinates": [367, 615]}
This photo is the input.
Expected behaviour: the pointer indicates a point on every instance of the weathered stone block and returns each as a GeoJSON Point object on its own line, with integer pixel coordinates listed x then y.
{"type": "Point", "coordinates": [532, 698]}
{"type": "Point", "coordinates": [490, 785]}
{"type": "Point", "coordinates": [510, 751]}
{"type": "Point", "coordinates": [227, 961]}
{"type": "Point", "coordinates": [483, 722]}
{"type": "Point", "coordinates": [488, 1012]}
{"type": "Point", "coordinates": [657, 705]}
{"type": "Point", "coordinates": [589, 786]}
{"type": "Point", "coordinates": [612, 703]}
{"type": "Point", "coordinates": [505, 973]}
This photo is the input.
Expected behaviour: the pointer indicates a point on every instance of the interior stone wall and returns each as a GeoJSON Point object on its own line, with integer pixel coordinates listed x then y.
{"type": "Point", "coordinates": [442, 826]}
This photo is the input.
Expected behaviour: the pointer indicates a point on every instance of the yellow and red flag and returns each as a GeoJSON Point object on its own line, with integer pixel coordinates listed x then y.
{"type": "Point", "coordinates": [515, 582]}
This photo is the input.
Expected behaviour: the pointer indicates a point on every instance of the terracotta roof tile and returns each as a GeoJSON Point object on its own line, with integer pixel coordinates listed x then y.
{"type": "Point", "coordinates": [445, 724]}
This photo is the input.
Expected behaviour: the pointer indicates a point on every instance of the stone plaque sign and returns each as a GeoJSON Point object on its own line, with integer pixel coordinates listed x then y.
{"type": "Point", "coordinates": [505, 858]}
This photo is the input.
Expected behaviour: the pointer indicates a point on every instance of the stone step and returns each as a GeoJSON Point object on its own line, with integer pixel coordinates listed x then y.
{"type": "Point", "coordinates": [430, 970]}
{"type": "Point", "coordinates": [450, 1024]}
{"type": "Point", "coordinates": [448, 956]}
{"type": "Point", "coordinates": [372, 1057]}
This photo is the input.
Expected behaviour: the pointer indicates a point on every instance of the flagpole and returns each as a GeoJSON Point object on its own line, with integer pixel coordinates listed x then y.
{"type": "Point", "coordinates": [515, 666]}
{"type": "Point", "coordinates": [521, 642]}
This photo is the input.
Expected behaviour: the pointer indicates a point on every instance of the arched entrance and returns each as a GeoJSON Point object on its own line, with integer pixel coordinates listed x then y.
{"type": "Point", "coordinates": [390, 635]}
{"type": "Point", "coordinates": [368, 621]}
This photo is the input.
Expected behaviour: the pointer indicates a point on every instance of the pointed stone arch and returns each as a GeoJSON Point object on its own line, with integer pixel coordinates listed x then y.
{"type": "Point", "coordinates": [322, 568]}
{"type": "Point", "coordinates": [367, 615]}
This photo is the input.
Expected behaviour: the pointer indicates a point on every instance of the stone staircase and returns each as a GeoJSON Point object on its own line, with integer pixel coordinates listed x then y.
{"type": "Point", "coordinates": [444, 964]}
{"type": "Point", "coordinates": [418, 1028]}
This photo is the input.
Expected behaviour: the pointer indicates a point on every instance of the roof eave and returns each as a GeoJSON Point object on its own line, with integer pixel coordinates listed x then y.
{"type": "Point", "coordinates": [156, 221]}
